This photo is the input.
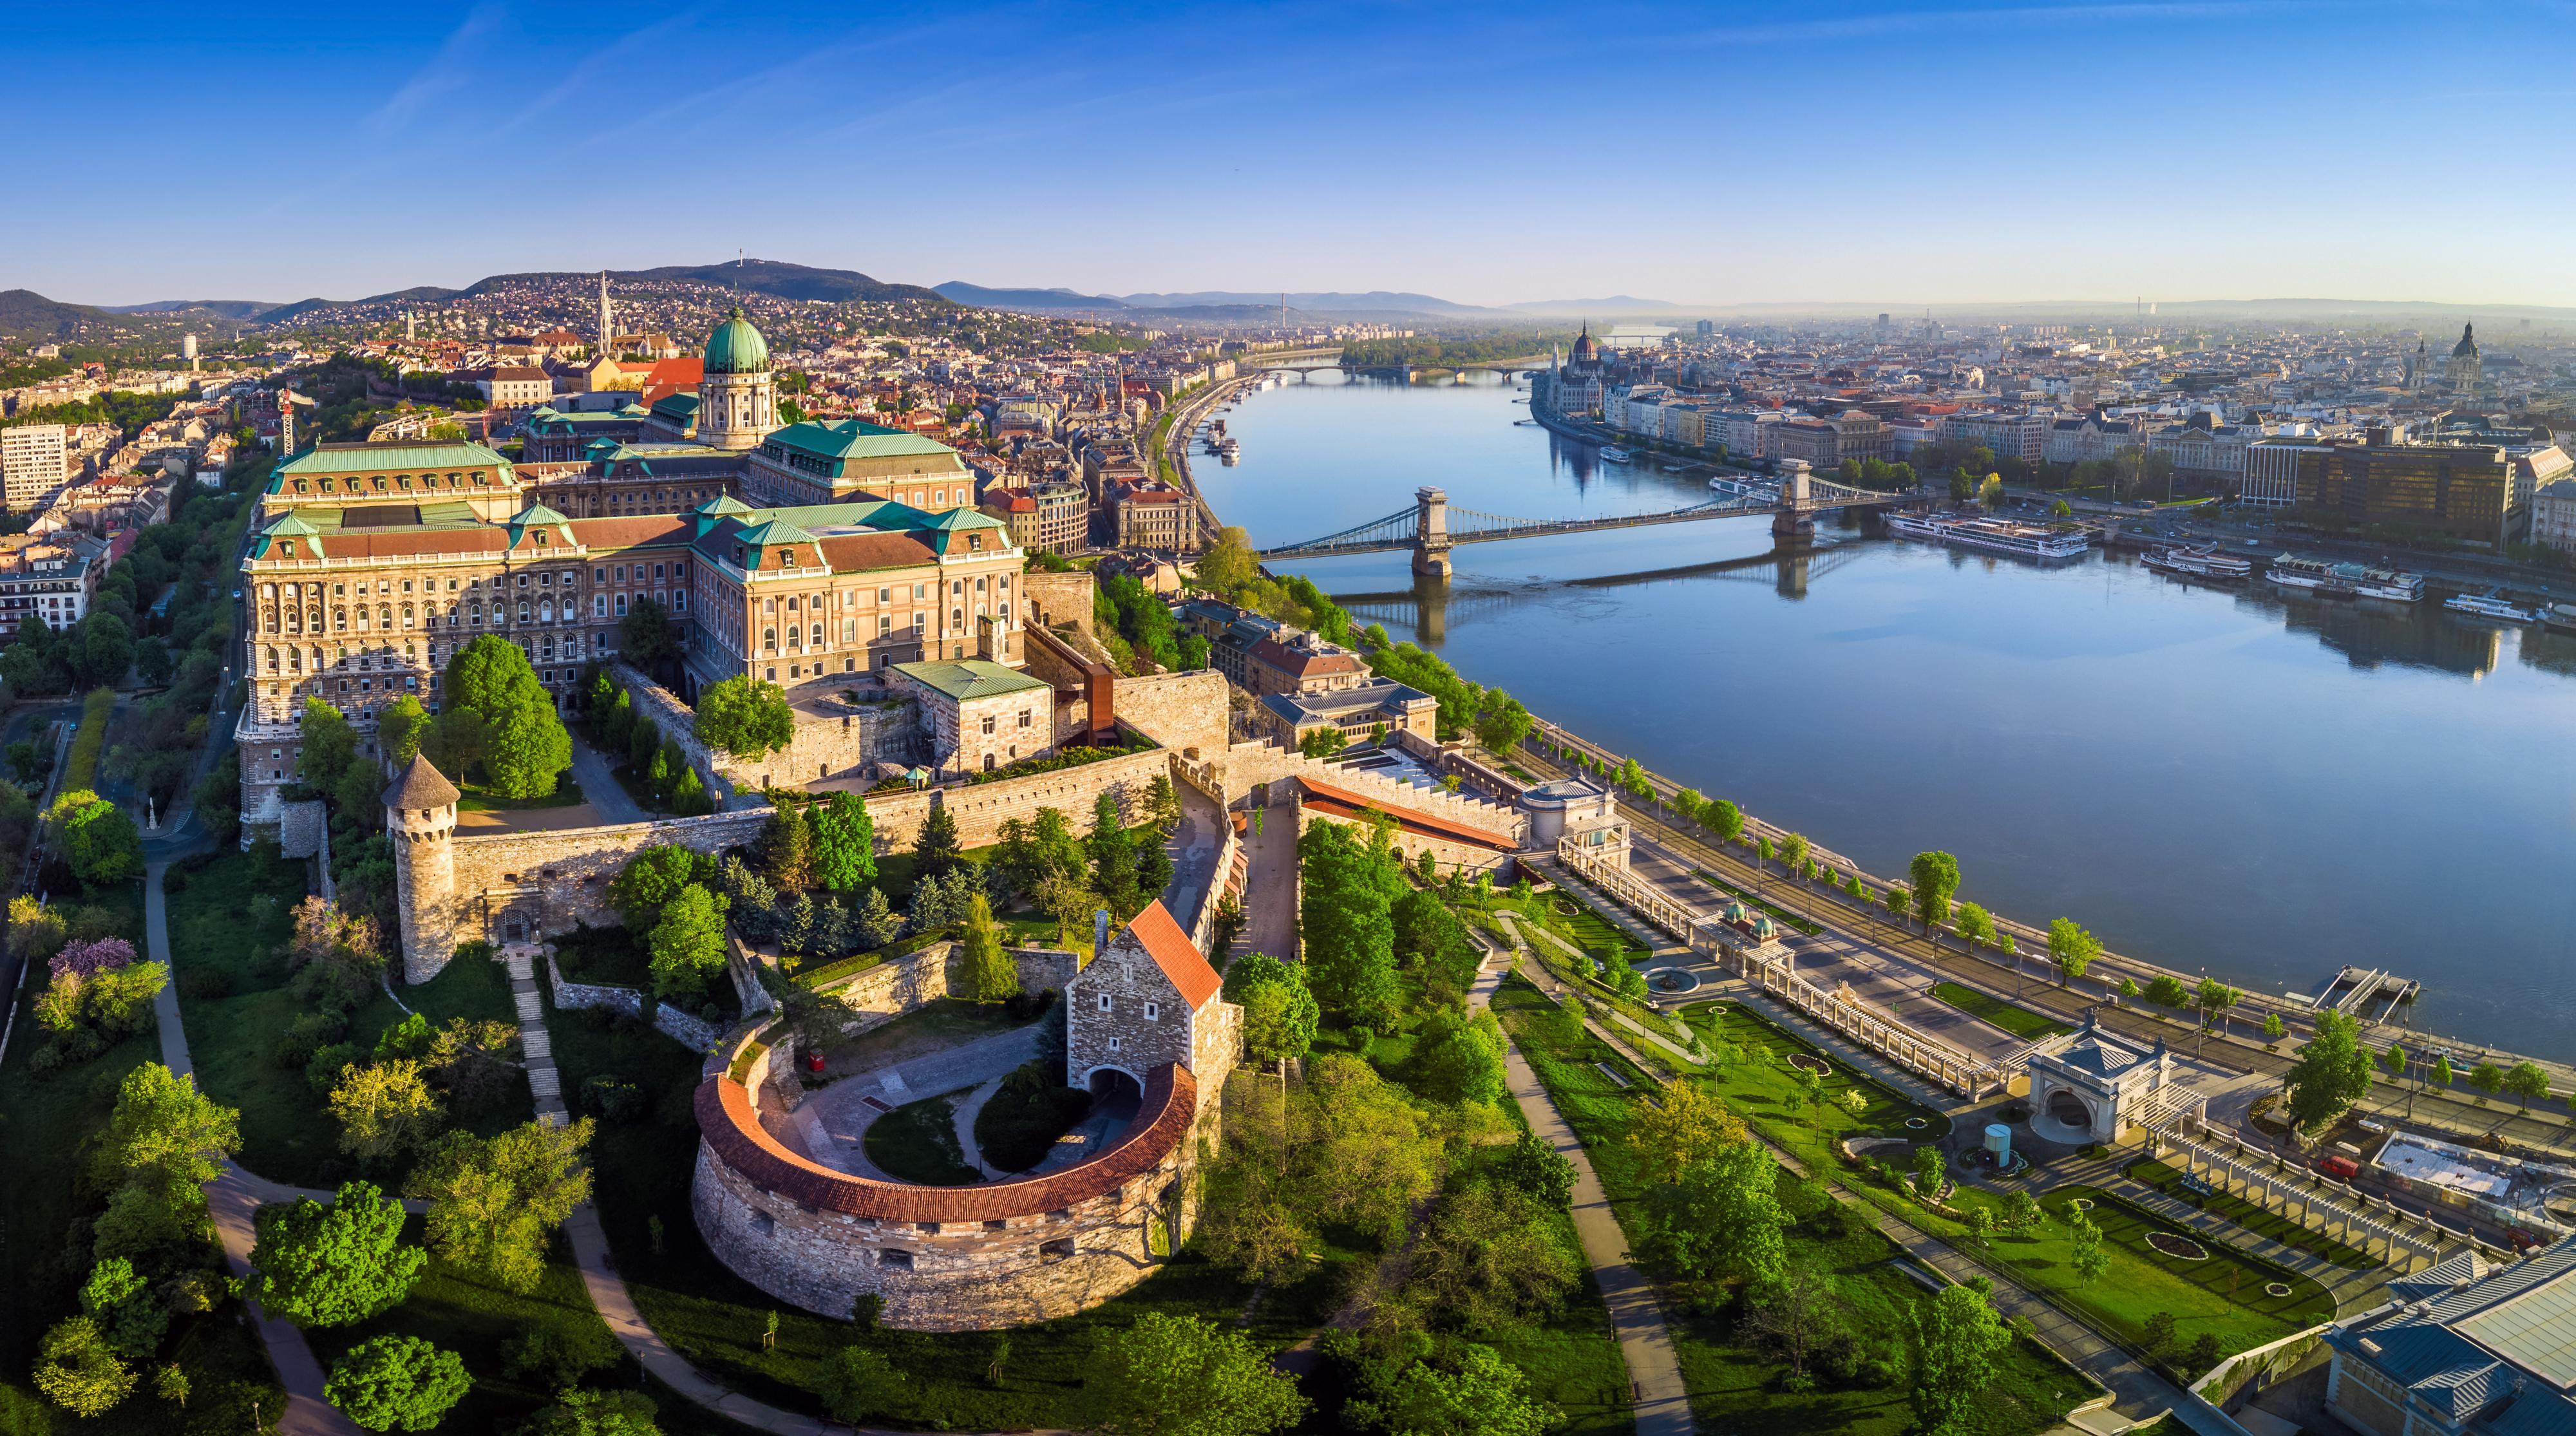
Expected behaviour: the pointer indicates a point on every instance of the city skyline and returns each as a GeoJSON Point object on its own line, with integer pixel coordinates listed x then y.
{"type": "Point", "coordinates": [1977, 154]}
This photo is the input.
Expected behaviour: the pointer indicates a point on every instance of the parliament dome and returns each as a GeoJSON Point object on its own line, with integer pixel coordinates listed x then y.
{"type": "Point", "coordinates": [736, 347]}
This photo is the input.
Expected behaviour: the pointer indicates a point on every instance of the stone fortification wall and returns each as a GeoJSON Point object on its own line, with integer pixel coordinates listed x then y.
{"type": "Point", "coordinates": [839, 744]}
{"type": "Point", "coordinates": [1181, 711]}
{"type": "Point", "coordinates": [1083, 681]}
{"type": "Point", "coordinates": [898, 985]}
{"type": "Point", "coordinates": [942, 1258]}
{"type": "Point", "coordinates": [1061, 599]}
{"type": "Point", "coordinates": [670, 1021]}
{"type": "Point", "coordinates": [463, 888]}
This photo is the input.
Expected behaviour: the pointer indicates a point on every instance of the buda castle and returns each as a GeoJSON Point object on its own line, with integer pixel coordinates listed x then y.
{"type": "Point", "coordinates": [800, 554]}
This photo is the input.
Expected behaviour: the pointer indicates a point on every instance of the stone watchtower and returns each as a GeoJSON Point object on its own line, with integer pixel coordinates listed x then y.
{"type": "Point", "coordinates": [420, 819]}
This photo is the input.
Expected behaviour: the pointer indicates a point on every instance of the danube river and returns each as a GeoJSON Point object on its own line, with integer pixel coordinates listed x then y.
{"type": "Point", "coordinates": [2207, 778]}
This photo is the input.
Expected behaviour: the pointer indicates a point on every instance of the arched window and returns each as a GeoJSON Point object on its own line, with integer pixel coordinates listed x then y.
{"type": "Point", "coordinates": [545, 612]}
{"type": "Point", "coordinates": [523, 610]}
{"type": "Point", "coordinates": [407, 623]}
{"type": "Point", "coordinates": [339, 618]}
{"type": "Point", "coordinates": [818, 635]}
{"type": "Point", "coordinates": [385, 616]}
{"type": "Point", "coordinates": [957, 618]}
{"type": "Point", "coordinates": [769, 638]}
{"type": "Point", "coordinates": [272, 660]}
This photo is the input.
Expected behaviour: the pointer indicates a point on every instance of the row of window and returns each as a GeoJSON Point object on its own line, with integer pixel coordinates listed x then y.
{"type": "Point", "coordinates": [545, 578]}
{"type": "Point", "coordinates": [401, 482]}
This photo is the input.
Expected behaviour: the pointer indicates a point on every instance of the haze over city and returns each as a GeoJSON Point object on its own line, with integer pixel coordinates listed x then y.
{"type": "Point", "coordinates": [1733, 154]}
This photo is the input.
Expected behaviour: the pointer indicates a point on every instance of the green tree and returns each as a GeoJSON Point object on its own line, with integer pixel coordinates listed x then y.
{"type": "Point", "coordinates": [1936, 878]}
{"type": "Point", "coordinates": [652, 878]}
{"type": "Point", "coordinates": [2444, 1073]}
{"type": "Point", "coordinates": [494, 1201]}
{"type": "Point", "coordinates": [1722, 1219]}
{"type": "Point", "coordinates": [524, 745]}
{"type": "Point", "coordinates": [166, 1133]}
{"type": "Point", "coordinates": [1280, 1017]}
{"type": "Point", "coordinates": [689, 796]}
{"type": "Point", "coordinates": [329, 1266]}
{"type": "Point", "coordinates": [330, 745]}
{"type": "Point", "coordinates": [2333, 1072]}
{"type": "Point", "coordinates": [2214, 998]}
{"type": "Point", "coordinates": [2021, 1211]}
{"type": "Point", "coordinates": [2071, 948]}
{"type": "Point", "coordinates": [2486, 1077]}
{"type": "Point", "coordinates": [648, 638]}
{"type": "Point", "coordinates": [96, 838]}
{"type": "Point", "coordinates": [1530, 1164]}
{"type": "Point", "coordinates": [1345, 910]}
{"type": "Point", "coordinates": [1227, 566]}
{"type": "Point", "coordinates": [1322, 742]}
{"type": "Point", "coordinates": [1472, 1391]}
{"type": "Point", "coordinates": [1690, 1128]}
{"type": "Point", "coordinates": [2160, 1333]}
{"type": "Point", "coordinates": [990, 974]}
{"type": "Point", "coordinates": [124, 1308]}
{"type": "Point", "coordinates": [1501, 722]}
{"type": "Point", "coordinates": [1724, 819]}
{"type": "Point", "coordinates": [2274, 1028]}
{"type": "Point", "coordinates": [1976, 925]}
{"type": "Point", "coordinates": [858, 1385]}
{"type": "Point", "coordinates": [1460, 1058]}
{"type": "Point", "coordinates": [784, 853]}
{"type": "Point", "coordinates": [845, 855]}
{"type": "Point", "coordinates": [2526, 1081]}
{"type": "Point", "coordinates": [77, 1368]}
{"type": "Point", "coordinates": [2167, 991]}
{"type": "Point", "coordinates": [1172, 1375]}
{"type": "Point", "coordinates": [936, 851]}
{"type": "Point", "coordinates": [579, 1412]}
{"type": "Point", "coordinates": [688, 943]}
{"type": "Point", "coordinates": [1793, 852]}
{"type": "Point", "coordinates": [400, 727]}
{"type": "Point", "coordinates": [1486, 1259]}
{"type": "Point", "coordinates": [384, 1109]}
{"type": "Point", "coordinates": [1957, 1337]}
{"type": "Point", "coordinates": [2090, 1261]}
{"type": "Point", "coordinates": [396, 1383]}
{"type": "Point", "coordinates": [1113, 860]}
{"type": "Point", "coordinates": [744, 717]}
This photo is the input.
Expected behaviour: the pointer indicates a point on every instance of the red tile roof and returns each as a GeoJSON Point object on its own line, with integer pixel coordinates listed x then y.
{"type": "Point", "coordinates": [850, 553]}
{"type": "Point", "coordinates": [1173, 952]}
{"type": "Point", "coordinates": [632, 531]}
{"type": "Point", "coordinates": [732, 1131]}
{"type": "Point", "coordinates": [1343, 803]}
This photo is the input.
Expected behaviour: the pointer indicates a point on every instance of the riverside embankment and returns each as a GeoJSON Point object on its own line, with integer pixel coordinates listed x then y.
{"type": "Point", "coordinates": [2243, 781]}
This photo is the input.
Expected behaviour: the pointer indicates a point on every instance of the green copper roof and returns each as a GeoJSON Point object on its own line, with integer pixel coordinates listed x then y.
{"type": "Point", "coordinates": [774, 530]}
{"type": "Point", "coordinates": [736, 347]}
{"type": "Point", "coordinates": [723, 504]}
{"type": "Point", "coordinates": [536, 513]}
{"type": "Point", "coordinates": [852, 439]}
{"type": "Point", "coordinates": [391, 458]}
{"type": "Point", "coordinates": [289, 525]}
{"type": "Point", "coordinates": [970, 678]}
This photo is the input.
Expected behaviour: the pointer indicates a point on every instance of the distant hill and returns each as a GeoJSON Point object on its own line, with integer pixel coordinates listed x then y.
{"type": "Point", "coordinates": [763, 276]}
{"type": "Point", "coordinates": [1616, 304]}
{"type": "Point", "coordinates": [959, 291]}
{"type": "Point", "coordinates": [25, 312]}
{"type": "Point", "coordinates": [227, 308]}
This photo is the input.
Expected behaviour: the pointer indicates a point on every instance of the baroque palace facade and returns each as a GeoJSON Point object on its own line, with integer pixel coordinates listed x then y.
{"type": "Point", "coordinates": [370, 564]}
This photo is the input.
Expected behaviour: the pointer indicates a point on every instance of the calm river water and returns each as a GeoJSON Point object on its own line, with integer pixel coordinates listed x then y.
{"type": "Point", "coordinates": [2209, 778]}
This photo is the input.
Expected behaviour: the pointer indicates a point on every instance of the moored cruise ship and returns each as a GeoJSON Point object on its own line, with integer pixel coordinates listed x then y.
{"type": "Point", "coordinates": [2347, 579]}
{"type": "Point", "coordinates": [2489, 605]}
{"type": "Point", "coordinates": [2036, 541]}
{"type": "Point", "coordinates": [2206, 563]}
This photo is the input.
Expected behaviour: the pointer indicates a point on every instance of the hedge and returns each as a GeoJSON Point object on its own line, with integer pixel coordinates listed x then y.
{"type": "Point", "coordinates": [82, 772]}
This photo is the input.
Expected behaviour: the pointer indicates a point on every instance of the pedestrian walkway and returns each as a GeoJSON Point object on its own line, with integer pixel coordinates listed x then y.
{"type": "Point", "coordinates": [536, 1050]}
{"type": "Point", "coordinates": [2353, 1290]}
{"type": "Point", "coordinates": [1879, 1070]}
{"type": "Point", "coordinates": [1660, 1397]}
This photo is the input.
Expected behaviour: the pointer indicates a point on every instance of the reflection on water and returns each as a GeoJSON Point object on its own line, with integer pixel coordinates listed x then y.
{"type": "Point", "coordinates": [2222, 778]}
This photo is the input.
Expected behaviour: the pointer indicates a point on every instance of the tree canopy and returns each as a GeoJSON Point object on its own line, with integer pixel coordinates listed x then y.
{"type": "Point", "coordinates": [744, 717]}
{"type": "Point", "coordinates": [1172, 1375]}
{"type": "Point", "coordinates": [523, 743]}
{"type": "Point", "coordinates": [329, 1266]}
{"type": "Point", "coordinates": [2332, 1072]}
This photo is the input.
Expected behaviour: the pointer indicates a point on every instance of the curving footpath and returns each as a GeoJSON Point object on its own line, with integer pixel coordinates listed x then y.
{"type": "Point", "coordinates": [1661, 1399]}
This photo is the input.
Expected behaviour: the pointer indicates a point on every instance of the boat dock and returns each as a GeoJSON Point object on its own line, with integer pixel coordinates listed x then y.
{"type": "Point", "coordinates": [2357, 991]}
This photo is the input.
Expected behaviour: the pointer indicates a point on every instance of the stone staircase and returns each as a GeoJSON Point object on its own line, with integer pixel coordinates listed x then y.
{"type": "Point", "coordinates": [536, 1049]}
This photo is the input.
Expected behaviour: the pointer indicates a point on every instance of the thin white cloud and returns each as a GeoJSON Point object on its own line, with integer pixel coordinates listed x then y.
{"type": "Point", "coordinates": [446, 72]}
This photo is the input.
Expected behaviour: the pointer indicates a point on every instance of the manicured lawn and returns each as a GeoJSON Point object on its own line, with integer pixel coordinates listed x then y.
{"type": "Point", "coordinates": [1754, 1076]}
{"type": "Point", "coordinates": [2222, 1295]}
{"type": "Point", "coordinates": [610, 956]}
{"type": "Point", "coordinates": [2021, 1022]}
{"type": "Point", "coordinates": [1735, 1385]}
{"type": "Point", "coordinates": [475, 798]}
{"type": "Point", "coordinates": [917, 1142]}
{"type": "Point", "coordinates": [1019, 1125]}
{"type": "Point", "coordinates": [2251, 1217]}
{"type": "Point", "coordinates": [230, 920]}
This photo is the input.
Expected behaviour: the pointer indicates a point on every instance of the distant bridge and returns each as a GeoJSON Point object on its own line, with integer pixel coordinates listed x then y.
{"type": "Point", "coordinates": [1304, 364]}
{"type": "Point", "coordinates": [1431, 528]}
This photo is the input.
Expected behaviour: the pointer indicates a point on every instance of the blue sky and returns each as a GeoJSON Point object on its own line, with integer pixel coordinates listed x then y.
{"type": "Point", "coordinates": [1900, 155]}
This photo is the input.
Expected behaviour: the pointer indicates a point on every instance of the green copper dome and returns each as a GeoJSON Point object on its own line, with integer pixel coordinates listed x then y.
{"type": "Point", "coordinates": [736, 347]}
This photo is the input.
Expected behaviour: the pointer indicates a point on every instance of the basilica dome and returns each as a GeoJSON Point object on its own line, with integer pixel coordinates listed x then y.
{"type": "Point", "coordinates": [736, 347]}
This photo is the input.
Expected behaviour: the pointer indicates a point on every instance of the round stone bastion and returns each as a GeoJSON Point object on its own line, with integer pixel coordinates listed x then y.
{"type": "Point", "coordinates": [970, 1258]}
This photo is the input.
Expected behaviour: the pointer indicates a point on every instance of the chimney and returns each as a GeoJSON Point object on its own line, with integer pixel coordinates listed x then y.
{"type": "Point", "coordinates": [1099, 931]}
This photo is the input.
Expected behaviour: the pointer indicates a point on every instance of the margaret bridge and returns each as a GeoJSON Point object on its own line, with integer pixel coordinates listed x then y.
{"type": "Point", "coordinates": [1431, 528]}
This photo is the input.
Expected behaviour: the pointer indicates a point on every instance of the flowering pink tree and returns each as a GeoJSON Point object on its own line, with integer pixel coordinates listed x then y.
{"type": "Point", "coordinates": [106, 954]}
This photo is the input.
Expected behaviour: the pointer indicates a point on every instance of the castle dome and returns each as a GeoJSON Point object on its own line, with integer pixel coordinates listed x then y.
{"type": "Point", "coordinates": [736, 347]}
{"type": "Point", "coordinates": [1583, 345]}
{"type": "Point", "coordinates": [2468, 345]}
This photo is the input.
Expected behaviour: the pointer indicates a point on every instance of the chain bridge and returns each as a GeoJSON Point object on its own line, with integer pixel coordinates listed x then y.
{"type": "Point", "coordinates": [1431, 528]}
